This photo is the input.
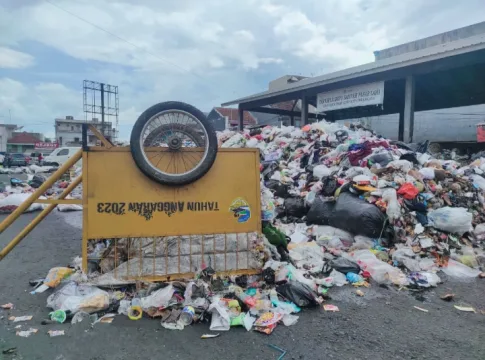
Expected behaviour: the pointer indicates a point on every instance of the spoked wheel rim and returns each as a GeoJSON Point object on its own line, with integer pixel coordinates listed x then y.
{"type": "Point", "coordinates": [174, 143]}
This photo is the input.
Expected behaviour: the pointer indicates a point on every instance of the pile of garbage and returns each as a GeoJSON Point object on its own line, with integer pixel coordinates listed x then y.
{"type": "Point", "coordinates": [339, 206]}
{"type": "Point", "coordinates": [31, 169]}
{"type": "Point", "coordinates": [16, 191]}
{"type": "Point", "coordinates": [397, 211]}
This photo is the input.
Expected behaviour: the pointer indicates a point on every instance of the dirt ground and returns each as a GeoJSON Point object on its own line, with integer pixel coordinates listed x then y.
{"type": "Point", "coordinates": [381, 325]}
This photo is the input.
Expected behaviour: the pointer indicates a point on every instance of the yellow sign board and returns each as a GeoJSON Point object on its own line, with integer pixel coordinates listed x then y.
{"type": "Point", "coordinates": [122, 202]}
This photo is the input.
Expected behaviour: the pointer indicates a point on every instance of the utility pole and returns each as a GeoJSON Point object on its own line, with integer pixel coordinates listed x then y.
{"type": "Point", "coordinates": [102, 109]}
{"type": "Point", "coordinates": [10, 115]}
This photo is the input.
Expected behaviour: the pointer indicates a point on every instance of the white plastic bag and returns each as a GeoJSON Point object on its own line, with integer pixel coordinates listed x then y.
{"type": "Point", "coordinates": [454, 220]}
{"type": "Point", "coordinates": [321, 171]}
{"type": "Point", "coordinates": [289, 320]}
{"type": "Point", "coordinates": [479, 231]}
{"type": "Point", "coordinates": [12, 201]}
{"type": "Point", "coordinates": [427, 173]}
{"type": "Point", "coordinates": [159, 298]}
{"type": "Point", "coordinates": [338, 279]}
{"type": "Point", "coordinates": [380, 271]}
{"type": "Point", "coordinates": [74, 297]}
{"type": "Point", "coordinates": [478, 181]}
{"type": "Point", "coordinates": [124, 307]}
{"type": "Point", "coordinates": [393, 210]}
{"type": "Point", "coordinates": [459, 270]}
{"type": "Point", "coordinates": [402, 165]}
{"type": "Point", "coordinates": [220, 317]}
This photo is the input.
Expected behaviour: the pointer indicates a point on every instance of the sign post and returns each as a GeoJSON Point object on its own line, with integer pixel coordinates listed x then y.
{"type": "Point", "coordinates": [359, 95]}
{"type": "Point", "coordinates": [46, 145]}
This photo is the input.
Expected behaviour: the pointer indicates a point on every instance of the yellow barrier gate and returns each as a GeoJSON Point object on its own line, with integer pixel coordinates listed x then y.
{"type": "Point", "coordinates": [219, 217]}
{"type": "Point", "coordinates": [136, 228]}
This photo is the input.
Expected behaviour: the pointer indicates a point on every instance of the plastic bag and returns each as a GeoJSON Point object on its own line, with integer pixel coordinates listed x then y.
{"type": "Point", "coordinates": [124, 307]}
{"type": "Point", "coordinates": [454, 220]}
{"type": "Point", "coordinates": [362, 243]}
{"type": "Point", "coordinates": [393, 210]}
{"type": "Point", "coordinates": [73, 297]}
{"type": "Point", "coordinates": [427, 173]}
{"type": "Point", "coordinates": [380, 271]}
{"type": "Point", "coordinates": [408, 191]}
{"type": "Point", "coordinates": [157, 299]}
{"type": "Point", "coordinates": [300, 294]}
{"type": "Point", "coordinates": [69, 207]}
{"type": "Point", "coordinates": [220, 317]}
{"type": "Point", "coordinates": [321, 171]}
{"type": "Point", "coordinates": [295, 207]}
{"type": "Point", "coordinates": [402, 165]}
{"type": "Point", "coordinates": [459, 270]}
{"type": "Point", "coordinates": [324, 233]}
{"type": "Point", "coordinates": [345, 266]}
{"type": "Point", "coordinates": [289, 320]}
{"type": "Point", "coordinates": [320, 212]}
{"type": "Point", "coordinates": [13, 201]}
{"type": "Point", "coordinates": [56, 275]}
{"type": "Point", "coordinates": [357, 216]}
{"type": "Point", "coordinates": [478, 181]}
{"type": "Point", "coordinates": [479, 231]}
{"type": "Point", "coordinates": [338, 279]}
{"type": "Point", "coordinates": [279, 189]}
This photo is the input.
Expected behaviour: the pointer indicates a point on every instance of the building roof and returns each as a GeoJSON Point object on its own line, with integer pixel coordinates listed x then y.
{"type": "Point", "coordinates": [233, 116]}
{"type": "Point", "coordinates": [266, 119]}
{"type": "Point", "coordinates": [290, 105]}
{"type": "Point", "coordinates": [10, 126]}
{"type": "Point", "coordinates": [73, 121]}
{"type": "Point", "coordinates": [462, 46]}
{"type": "Point", "coordinates": [23, 138]}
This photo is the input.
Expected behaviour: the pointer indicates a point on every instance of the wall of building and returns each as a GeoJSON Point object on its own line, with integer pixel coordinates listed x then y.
{"type": "Point", "coordinates": [70, 132]}
{"type": "Point", "coordinates": [449, 36]}
{"type": "Point", "coordinates": [5, 134]}
{"type": "Point", "coordinates": [217, 121]}
{"type": "Point", "coordinates": [20, 148]}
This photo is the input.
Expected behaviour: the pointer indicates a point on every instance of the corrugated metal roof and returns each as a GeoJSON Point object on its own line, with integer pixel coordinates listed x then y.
{"type": "Point", "coordinates": [412, 58]}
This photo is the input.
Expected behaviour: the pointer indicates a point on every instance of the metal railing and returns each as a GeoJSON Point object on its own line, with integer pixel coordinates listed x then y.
{"type": "Point", "coordinates": [34, 198]}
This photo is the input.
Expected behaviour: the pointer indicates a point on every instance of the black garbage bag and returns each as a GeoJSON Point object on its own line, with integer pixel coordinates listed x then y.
{"type": "Point", "coordinates": [411, 157]}
{"type": "Point", "coordinates": [319, 212]}
{"type": "Point", "coordinates": [37, 181]}
{"type": "Point", "coordinates": [345, 266]}
{"type": "Point", "coordinates": [330, 185]}
{"type": "Point", "coordinates": [357, 216]}
{"type": "Point", "coordinates": [295, 207]}
{"type": "Point", "coordinates": [300, 294]}
{"type": "Point", "coordinates": [279, 189]}
{"type": "Point", "coordinates": [268, 275]}
{"type": "Point", "coordinates": [279, 212]}
{"type": "Point", "coordinates": [382, 158]}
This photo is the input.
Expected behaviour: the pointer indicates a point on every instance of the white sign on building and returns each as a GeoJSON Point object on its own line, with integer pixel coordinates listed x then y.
{"type": "Point", "coordinates": [359, 95]}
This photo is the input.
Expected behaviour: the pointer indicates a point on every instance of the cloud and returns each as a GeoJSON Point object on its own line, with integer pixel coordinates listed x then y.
{"type": "Point", "coordinates": [201, 52]}
{"type": "Point", "coordinates": [12, 59]}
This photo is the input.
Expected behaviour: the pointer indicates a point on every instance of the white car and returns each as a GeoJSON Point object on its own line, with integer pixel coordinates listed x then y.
{"type": "Point", "coordinates": [59, 156]}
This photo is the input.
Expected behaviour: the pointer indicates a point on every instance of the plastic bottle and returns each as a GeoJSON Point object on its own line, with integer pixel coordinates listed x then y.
{"type": "Point", "coordinates": [135, 311]}
{"type": "Point", "coordinates": [187, 315]}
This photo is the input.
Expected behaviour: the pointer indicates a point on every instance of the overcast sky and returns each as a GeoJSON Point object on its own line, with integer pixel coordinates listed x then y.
{"type": "Point", "coordinates": [203, 52]}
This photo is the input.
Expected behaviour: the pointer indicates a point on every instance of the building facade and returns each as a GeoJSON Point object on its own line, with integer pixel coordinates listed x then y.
{"type": "Point", "coordinates": [6, 133]}
{"type": "Point", "coordinates": [23, 142]}
{"type": "Point", "coordinates": [69, 131]}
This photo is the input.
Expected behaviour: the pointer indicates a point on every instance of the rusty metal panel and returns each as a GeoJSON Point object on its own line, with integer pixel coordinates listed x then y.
{"type": "Point", "coordinates": [178, 257]}
{"type": "Point", "coordinates": [122, 202]}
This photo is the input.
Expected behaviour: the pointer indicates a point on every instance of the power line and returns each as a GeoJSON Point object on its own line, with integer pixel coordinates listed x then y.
{"type": "Point", "coordinates": [129, 42]}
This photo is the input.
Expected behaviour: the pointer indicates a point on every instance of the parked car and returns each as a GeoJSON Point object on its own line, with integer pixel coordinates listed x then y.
{"type": "Point", "coordinates": [16, 159]}
{"type": "Point", "coordinates": [59, 156]}
{"type": "Point", "coordinates": [35, 157]}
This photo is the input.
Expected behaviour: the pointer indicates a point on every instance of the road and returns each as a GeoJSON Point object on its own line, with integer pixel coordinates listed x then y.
{"type": "Point", "coordinates": [381, 325]}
